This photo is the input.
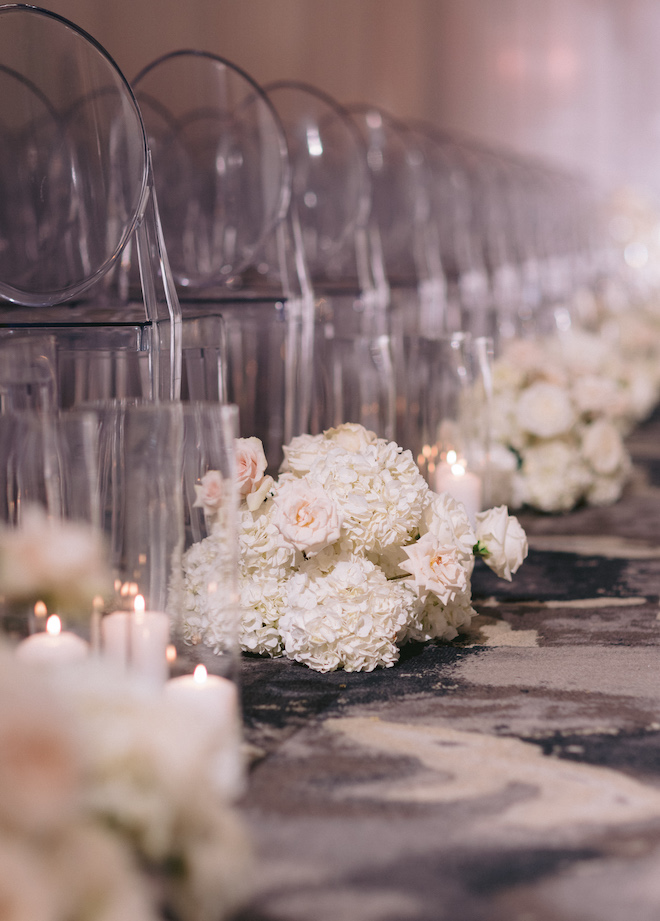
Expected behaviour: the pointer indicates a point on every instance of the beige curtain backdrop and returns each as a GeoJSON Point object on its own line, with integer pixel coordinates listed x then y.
{"type": "Point", "coordinates": [575, 81]}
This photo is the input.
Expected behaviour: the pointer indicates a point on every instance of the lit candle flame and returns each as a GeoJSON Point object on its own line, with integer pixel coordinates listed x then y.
{"type": "Point", "coordinates": [200, 674]}
{"type": "Point", "coordinates": [452, 457]}
{"type": "Point", "coordinates": [138, 604]}
{"type": "Point", "coordinates": [40, 609]}
{"type": "Point", "coordinates": [54, 625]}
{"type": "Point", "coordinates": [170, 653]}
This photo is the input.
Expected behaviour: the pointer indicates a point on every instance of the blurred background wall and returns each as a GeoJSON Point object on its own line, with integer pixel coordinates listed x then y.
{"type": "Point", "coordinates": [574, 81]}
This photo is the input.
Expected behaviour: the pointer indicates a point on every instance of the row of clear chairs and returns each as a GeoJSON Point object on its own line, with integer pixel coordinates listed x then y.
{"type": "Point", "coordinates": [78, 197]}
{"type": "Point", "coordinates": [193, 234]}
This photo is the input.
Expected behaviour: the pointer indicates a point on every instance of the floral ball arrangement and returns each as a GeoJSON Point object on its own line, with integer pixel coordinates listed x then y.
{"type": "Point", "coordinates": [60, 562]}
{"type": "Point", "coordinates": [348, 555]}
{"type": "Point", "coordinates": [108, 807]}
{"type": "Point", "coordinates": [561, 409]}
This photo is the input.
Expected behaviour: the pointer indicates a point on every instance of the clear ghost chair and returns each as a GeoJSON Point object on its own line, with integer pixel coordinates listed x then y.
{"type": "Point", "coordinates": [222, 172]}
{"type": "Point", "coordinates": [454, 205]}
{"type": "Point", "coordinates": [543, 229]}
{"type": "Point", "coordinates": [28, 372]}
{"type": "Point", "coordinates": [329, 214]}
{"type": "Point", "coordinates": [402, 222]}
{"type": "Point", "coordinates": [495, 180]}
{"type": "Point", "coordinates": [76, 201]}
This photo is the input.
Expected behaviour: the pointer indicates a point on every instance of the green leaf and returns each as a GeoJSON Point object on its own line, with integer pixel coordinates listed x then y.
{"type": "Point", "coordinates": [480, 549]}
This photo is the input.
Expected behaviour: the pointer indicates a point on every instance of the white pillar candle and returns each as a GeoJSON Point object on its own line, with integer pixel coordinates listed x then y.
{"type": "Point", "coordinates": [138, 640]}
{"type": "Point", "coordinates": [214, 700]}
{"type": "Point", "coordinates": [213, 697]}
{"type": "Point", "coordinates": [462, 485]}
{"type": "Point", "coordinates": [150, 635]}
{"type": "Point", "coordinates": [53, 646]}
{"type": "Point", "coordinates": [114, 637]}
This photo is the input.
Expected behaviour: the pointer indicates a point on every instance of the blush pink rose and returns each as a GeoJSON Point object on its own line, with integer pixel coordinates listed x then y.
{"type": "Point", "coordinates": [209, 492]}
{"type": "Point", "coordinates": [250, 465]}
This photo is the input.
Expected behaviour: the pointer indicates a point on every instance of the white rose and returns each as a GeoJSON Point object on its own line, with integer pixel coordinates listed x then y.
{"type": "Point", "coordinates": [504, 423]}
{"type": "Point", "coordinates": [250, 464]}
{"type": "Point", "coordinates": [545, 410]}
{"type": "Point", "coordinates": [447, 520]}
{"type": "Point", "coordinates": [507, 377]}
{"type": "Point", "coordinates": [605, 490]}
{"type": "Point", "coordinates": [642, 392]}
{"type": "Point", "coordinates": [301, 452]}
{"type": "Point", "coordinates": [502, 465]}
{"type": "Point", "coordinates": [580, 352]}
{"type": "Point", "coordinates": [553, 477]}
{"type": "Point", "coordinates": [504, 539]}
{"type": "Point", "coordinates": [603, 448]}
{"type": "Point", "coordinates": [436, 568]}
{"type": "Point", "coordinates": [306, 516]}
{"type": "Point", "coordinates": [525, 355]}
{"type": "Point", "coordinates": [351, 436]}
{"type": "Point", "coordinates": [256, 498]}
{"type": "Point", "coordinates": [596, 393]}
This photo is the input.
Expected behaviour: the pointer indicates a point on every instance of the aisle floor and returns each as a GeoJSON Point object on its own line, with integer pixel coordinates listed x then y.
{"type": "Point", "coordinates": [513, 776]}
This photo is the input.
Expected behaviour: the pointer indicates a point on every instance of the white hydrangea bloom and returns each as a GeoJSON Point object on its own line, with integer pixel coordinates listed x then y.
{"type": "Point", "coordinates": [432, 620]}
{"type": "Point", "coordinates": [260, 543]}
{"type": "Point", "coordinates": [348, 618]}
{"type": "Point", "coordinates": [262, 604]}
{"type": "Point", "coordinates": [199, 600]}
{"type": "Point", "coordinates": [266, 559]}
{"type": "Point", "coordinates": [380, 493]}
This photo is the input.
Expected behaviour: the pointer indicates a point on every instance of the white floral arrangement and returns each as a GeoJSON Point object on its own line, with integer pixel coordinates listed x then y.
{"type": "Point", "coordinates": [108, 809]}
{"type": "Point", "coordinates": [348, 555]}
{"type": "Point", "coordinates": [59, 562]}
{"type": "Point", "coordinates": [561, 408]}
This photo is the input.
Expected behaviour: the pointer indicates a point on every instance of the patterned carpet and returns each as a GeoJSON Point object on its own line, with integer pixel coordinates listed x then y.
{"type": "Point", "coordinates": [514, 776]}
